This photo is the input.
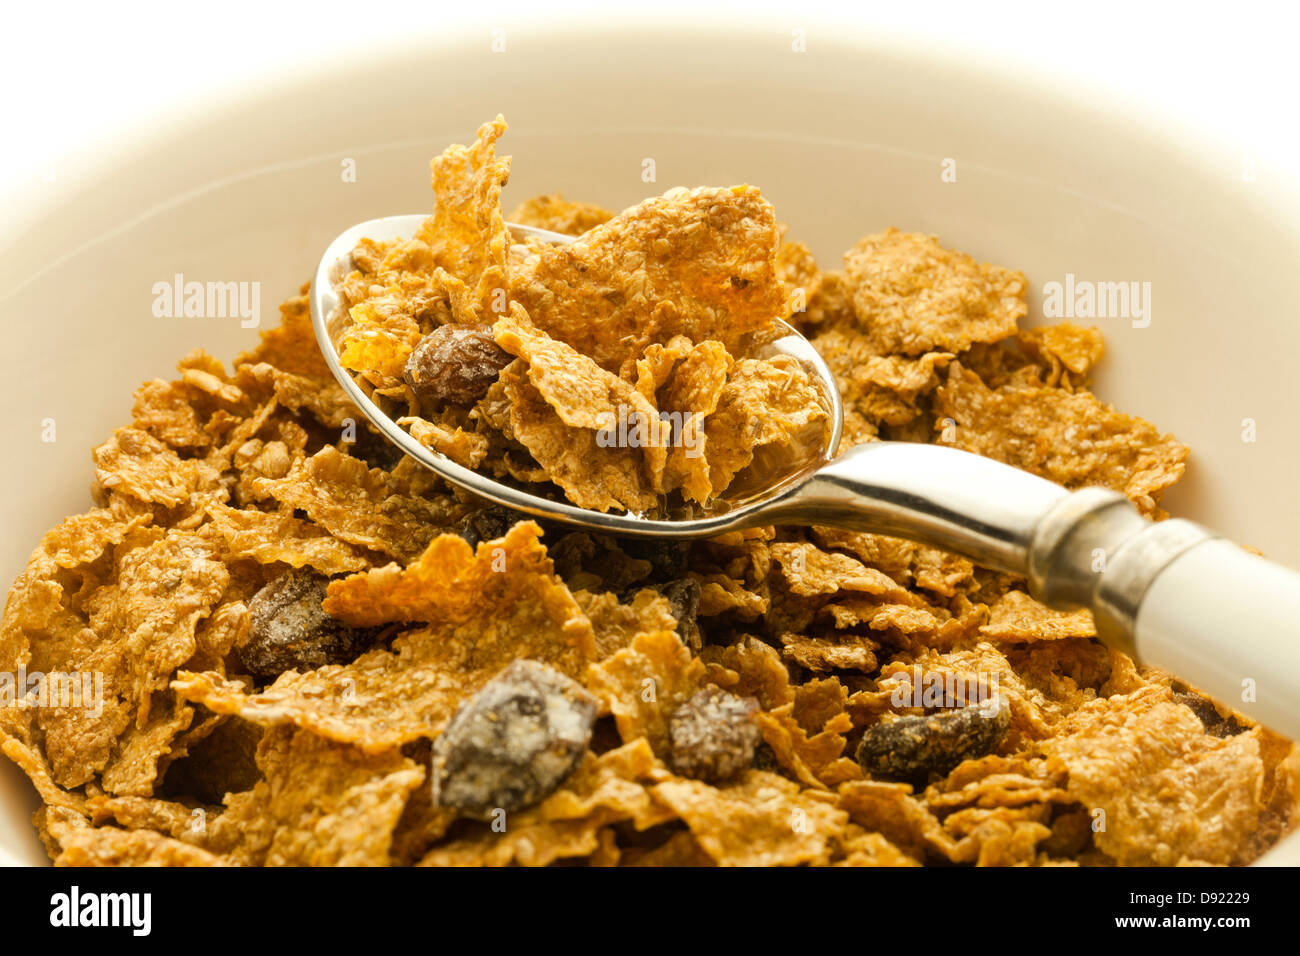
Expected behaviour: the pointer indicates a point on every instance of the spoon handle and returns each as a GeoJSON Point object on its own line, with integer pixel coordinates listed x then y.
{"type": "Point", "coordinates": [1170, 593]}
{"type": "Point", "coordinates": [1228, 622]}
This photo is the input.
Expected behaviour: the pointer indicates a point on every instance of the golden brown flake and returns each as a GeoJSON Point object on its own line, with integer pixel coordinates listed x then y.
{"type": "Point", "coordinates": [1159, 779]}
{"type": "Point", "coordinates": [1018, 617]}
{"type": "Point", "coordinates": [694, 262]}
{"type": "Point", "coordinates": [1070, 438]}
{"type": "Point", "coordinates": [763, 820]}
{"type": "Point", "coordinates": [913, 296]}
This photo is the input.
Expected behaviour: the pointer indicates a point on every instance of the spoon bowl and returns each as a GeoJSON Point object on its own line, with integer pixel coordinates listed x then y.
{"type": "Point", "coordinates": [744, 504]}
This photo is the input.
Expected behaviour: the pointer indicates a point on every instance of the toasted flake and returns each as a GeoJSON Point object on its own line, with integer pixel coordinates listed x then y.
{"type": "Point", "coordinates": [138, 631]}
{"type": "Point", "coordinates": [750, 668]}
{"type": "Point", "coordinates": [492, 606]}
{"type": "Point", "coordinates": [912, 295]}
{"type": "Point", "coordinates": [166, 411]}
{"type": "Point", "coordinates": [816, 760]}
{"type": "Point", "coordinates": [569, 415]}
{"type": "Point", "coordinates": [325, 400]}
{"type": "Point", "coordinates": [137, 464]}
{"type": "Point", "coordinates": [558, 214]}
{"type": "Point", "coordinates": [644, 683]}
{"type": "Point", "coordinates": [320, 804]}
{"type": "Point", "coordinates": [1069, 351]}
{"type": "Point", "coordinates": [810, 571]}
{"type": "Point", "coordinates": [269, 537]}
{"type": "Point", "coordinates": [357, 504]}
{"type": "Point", "coordinates": [823, 654]}
{"type": "Point", "coordinates": [769, 404]}
{"type": "Point", "coordinates": [1018, 617]}
{"type": "Point", "coordinates": [1169, 790]}
{"type": "Point", "coordinates": [110, 846]}
{"type": "Point", "coordinates": [467, 232]}
{"type": "Point", "coordinates": [1070, 438]}
{"type": "Point", "coordinates": [698, 262]}
{"type": "Point", "coordinates": [859, 847]}
{"type": "Point", "coordinates": [763, 820]}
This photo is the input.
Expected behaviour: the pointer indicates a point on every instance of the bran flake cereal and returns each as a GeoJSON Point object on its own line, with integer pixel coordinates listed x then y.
{"type": "Point", "coordinates": [306, 641]}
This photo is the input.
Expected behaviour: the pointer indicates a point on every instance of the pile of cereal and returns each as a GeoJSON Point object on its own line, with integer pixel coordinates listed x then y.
{"type": "Point", "coordinates": [308, 650]}
{"type": "Point", "coordinates": [622, 368]}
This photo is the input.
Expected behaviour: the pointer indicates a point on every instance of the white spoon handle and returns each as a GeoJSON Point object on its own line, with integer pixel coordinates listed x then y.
{"type": "Point", "coordinates": [1228, 623]}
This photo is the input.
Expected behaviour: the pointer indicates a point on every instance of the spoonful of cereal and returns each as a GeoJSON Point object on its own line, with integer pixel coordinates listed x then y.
{"type": "Point", "coordinates": [640, 378]}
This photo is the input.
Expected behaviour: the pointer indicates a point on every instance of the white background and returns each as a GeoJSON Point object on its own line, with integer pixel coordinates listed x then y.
{"type": "Point", "coordinates": [77, 77]}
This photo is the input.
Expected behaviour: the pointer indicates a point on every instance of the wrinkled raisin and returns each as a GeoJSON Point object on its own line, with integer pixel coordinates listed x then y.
{"type": "Point", "coordinates": [514, 742]}
{"type": "Point", "coordinates": [667, 558]}
{"type": "Point", "coordinates": [374, 449]}
{"type": "Point", "coordinates": [712, 735]}
{"type": "Point", "coordinates": [1215, 724]}
{"type": "Point", "coordinates": [454, 365]}
{"type": "Point", "coordinates": [289, 630]}
{"type": "Point", "coordinates": [684, 598]}
{"type": "Point", "coordinates": [765, 759]}
{"type": "Point", "coordinates": [487, 524]}
{"type": "Point", "coordinates": [912, 748]}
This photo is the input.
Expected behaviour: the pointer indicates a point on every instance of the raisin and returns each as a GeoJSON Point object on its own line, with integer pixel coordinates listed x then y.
{"type": "Point", "coordinates": [712, 735]}
{"type": "Point", "coordinates": [765, 759]}
{"type": "Point", "coordinates": [1071, 832]}
{"type": "Point", "coordinates": [912, 748]}
{"type": "Point", "coordinates": [1215, 724]}
{"type": "Point", "coordinates": [454, 365]}
{"type": "Point", "coordinates": [514, 742]}
{"type": "Point", "coordinates": [667, 558]}
{"type": "Point", "coordinates": [374, 449]}
{"type": "Point", "coordinates": [487, 524]}
{"type": "Point", "coordinates": [684, 598]}
{"type": "Point", "coordinates": [289, 630]}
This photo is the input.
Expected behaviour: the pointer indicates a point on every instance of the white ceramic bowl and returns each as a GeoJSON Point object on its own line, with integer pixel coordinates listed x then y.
{"type": "Point", "coordinates": [845, 139]}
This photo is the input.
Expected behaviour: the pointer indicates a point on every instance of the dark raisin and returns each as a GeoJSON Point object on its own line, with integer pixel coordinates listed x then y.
{"type": "Point", "coordinates": [487, 524]}
{"type": "Point", "coordinates": [374, 449]}
{"type": "Point", "coordinates": [765, 758]}
{"type": "Point", "coordinates": [1215, 724]}
{"type": "Point", "coordinates": [667, 558]}
{"type": "Point", "coordinates": [454, 365]}
{"type": "Point", "coordinates": [514, 742]}
{"type": "Point", "coordinates": [712, 735]}
{"type": "Point", "coordinates": [289, 630]}
{"type": "Point", "coordinates": [1071, 833]}
{"type": "Point", "coordinates": [912, 748]}
{"type": "Point", "coordinates": [684, 598]}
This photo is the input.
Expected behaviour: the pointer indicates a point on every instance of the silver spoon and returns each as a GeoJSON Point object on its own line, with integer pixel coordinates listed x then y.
{"type": "Point", "coordinates": [1171, 593]}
